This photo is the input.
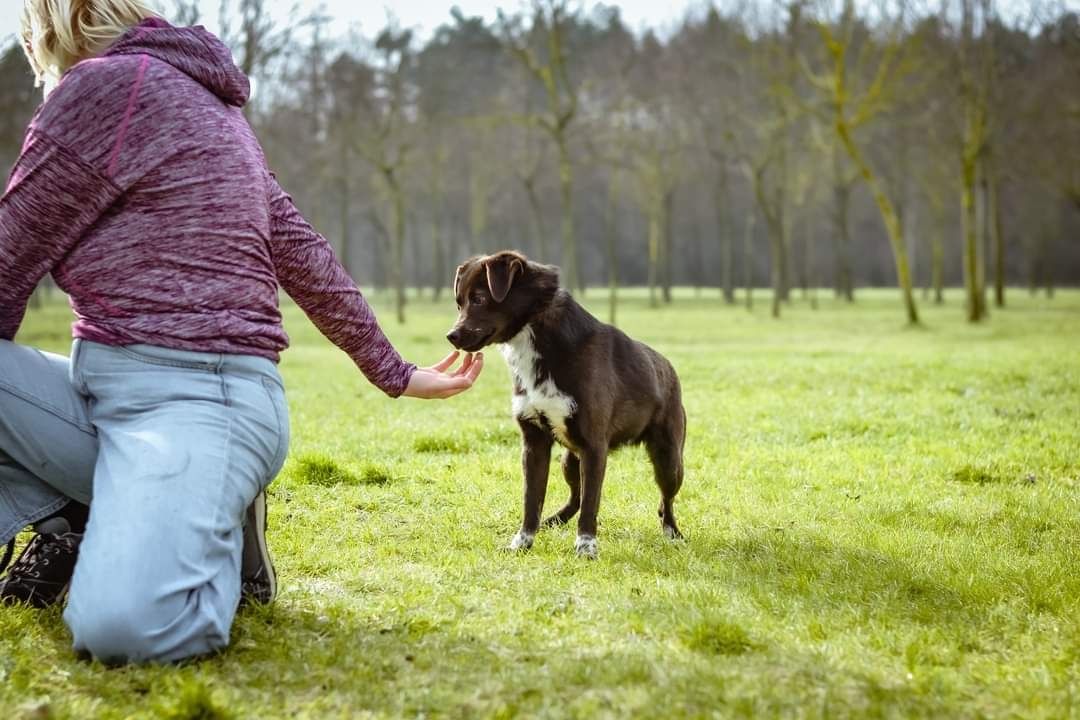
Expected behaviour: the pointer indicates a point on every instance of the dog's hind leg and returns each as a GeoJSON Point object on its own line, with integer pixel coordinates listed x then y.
{"type": "Point", "coordinates": [572, 474]}
{"type": "Point", "coordinates": [666, 453]}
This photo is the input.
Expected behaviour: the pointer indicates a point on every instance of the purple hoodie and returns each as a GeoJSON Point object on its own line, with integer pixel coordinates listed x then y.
{"type": "Point", "coordinates": [143, 190]}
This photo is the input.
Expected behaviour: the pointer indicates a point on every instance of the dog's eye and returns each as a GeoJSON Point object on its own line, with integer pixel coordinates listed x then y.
{"type": "Point", "coordinates": [478, 299]}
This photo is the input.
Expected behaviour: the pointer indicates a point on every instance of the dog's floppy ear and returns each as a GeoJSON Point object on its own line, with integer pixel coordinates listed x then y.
{"type": "Point", "coordinates": [457, 278]}
{"type": "Point", "coordinates": [501, 271]}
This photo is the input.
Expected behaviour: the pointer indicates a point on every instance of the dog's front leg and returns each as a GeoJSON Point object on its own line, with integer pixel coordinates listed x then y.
{"type": "Point", "coordinates": [535, 463]}
{"type": "Point", "coordinates": [593, 465]}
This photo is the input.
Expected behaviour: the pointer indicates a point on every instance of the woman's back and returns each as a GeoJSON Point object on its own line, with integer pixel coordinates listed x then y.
{"type": "Point", "coordinates": [178, 252]}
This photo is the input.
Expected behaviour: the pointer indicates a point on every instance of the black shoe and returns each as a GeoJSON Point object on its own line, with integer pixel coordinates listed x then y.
{"type": "Point", "coordinates": [42, 573]}
{"type": "Point", "coordinates": [258, 580]}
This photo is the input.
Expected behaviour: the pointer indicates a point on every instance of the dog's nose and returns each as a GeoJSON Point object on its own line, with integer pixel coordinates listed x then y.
{"type": "Point", "coordinates": [454, 336]}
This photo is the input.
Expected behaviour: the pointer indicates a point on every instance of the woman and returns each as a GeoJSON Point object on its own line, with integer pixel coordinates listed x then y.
{"type": "Point", "coordinates": [142, 189]}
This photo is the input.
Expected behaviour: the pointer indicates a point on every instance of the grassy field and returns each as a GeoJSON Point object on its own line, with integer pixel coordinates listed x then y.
{"type": "Point", "coordinates": [881, 522]}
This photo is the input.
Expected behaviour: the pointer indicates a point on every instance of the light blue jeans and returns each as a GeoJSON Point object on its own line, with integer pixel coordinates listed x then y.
{"type": "Point", "coordinates": [169, 448]}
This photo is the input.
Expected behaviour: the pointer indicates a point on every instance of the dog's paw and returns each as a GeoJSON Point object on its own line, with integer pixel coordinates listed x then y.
{"type": "Point", "coordinates": [521, 541]}
{"type": "Point", "coordinates": [585, 546]}
{"type": "Point", "coordinates": [672, 533]}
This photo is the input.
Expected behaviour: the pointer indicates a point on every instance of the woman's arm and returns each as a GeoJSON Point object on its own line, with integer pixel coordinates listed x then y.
{"type": "Point", "coordinates": [312, 276]}
{"type": "Point", "coordinates": [51, 200]}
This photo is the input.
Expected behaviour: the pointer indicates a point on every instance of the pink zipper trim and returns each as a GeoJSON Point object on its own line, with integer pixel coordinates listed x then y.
{"type": "Point", "coordinates": [115, 157]}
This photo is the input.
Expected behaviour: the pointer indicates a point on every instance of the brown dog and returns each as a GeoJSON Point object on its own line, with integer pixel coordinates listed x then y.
{"type": "Point", "coordinates": [577, 381]}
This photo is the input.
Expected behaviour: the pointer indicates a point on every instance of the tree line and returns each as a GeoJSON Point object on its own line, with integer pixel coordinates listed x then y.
{"type": "Point", "coordinates": [795, 144]}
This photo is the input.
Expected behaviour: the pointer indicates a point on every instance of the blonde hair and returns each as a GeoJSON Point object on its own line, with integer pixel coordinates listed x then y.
{"type": "Point", "coordinates": [57, 34]}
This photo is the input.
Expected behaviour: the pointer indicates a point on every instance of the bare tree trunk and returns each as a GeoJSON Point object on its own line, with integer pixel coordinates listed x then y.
{"type": "Point", "coordinates": [892, 224]}
{"type": "Point", "coordinates": [655, 223]}
{"type": "Point", "coordinates": [439, 270]}
{"type": "Point", "coordinates": [665, 245]}
{"type": "Point", "coordinates": [397, 275]}
{"type": "Point", "coordinates": [776, 244]}
{"type": "Point", "coordinates": [974, 139]}
{"type": "Point", "coordinates": [982, 233]}
{"type": "Point", "coordinates": [569, 250]}
{"type": "Point", "coordinates": [937, 265]}
{"type": "Point", "coordinates": [974, 293]}
{"type": "Point", "coordinates": [842, 202]}
{"type": "Point", "coordinates": [727, 246]}
{"type": "Point", "coordinates": [803, 271]}
{"type": "Point", "coordinates": [611, 232]}
{"type": "Point", "coordinates": [537, 220]}
{"type": "Point", "coordinates": [748, 259]}
{"type": "Point", "coordinates": [343, 210]}
{"type": "Point", "coordinates": [478, 208]}
{"type": "Point", "coordinates": [436, 217]}
{"type": "Point", "coordinates": [997, 239]}
{"type": "Point", "coordinates": [438, 251]}
{"type": "Point", "coordinates": [774, 225]}
{"type": "Point", "coordinates": [1033, 268]}
{"type": "Point", "coordinates": [783, 254]}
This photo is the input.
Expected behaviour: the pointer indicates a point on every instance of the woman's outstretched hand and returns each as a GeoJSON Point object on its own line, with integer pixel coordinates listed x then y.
{"type": "Point", "coordinates": [436, 382]}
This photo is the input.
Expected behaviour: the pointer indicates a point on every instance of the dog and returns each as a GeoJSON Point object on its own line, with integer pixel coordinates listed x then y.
{"type": "Point", "coordinates": [576, 381]}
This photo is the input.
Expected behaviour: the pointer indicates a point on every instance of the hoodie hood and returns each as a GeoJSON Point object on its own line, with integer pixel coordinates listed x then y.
{"type": "Point", "coordinates": [194, 51]}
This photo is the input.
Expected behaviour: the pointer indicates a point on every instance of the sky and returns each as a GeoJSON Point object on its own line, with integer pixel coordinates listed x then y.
{"type": "Point", "coordinates": [423, 15]}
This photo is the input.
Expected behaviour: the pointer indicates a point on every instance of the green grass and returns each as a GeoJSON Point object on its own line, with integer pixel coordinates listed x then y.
{"type": "Point", "coordinates": [881, 522]}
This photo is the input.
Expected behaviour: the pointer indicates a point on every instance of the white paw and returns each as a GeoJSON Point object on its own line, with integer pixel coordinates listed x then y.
{"type": "Point", "coordinates": [671, 533]}
{"type": "Point", "coordinates": [521, 541]}
{"type": "Point", "coordinates": [585, 546]}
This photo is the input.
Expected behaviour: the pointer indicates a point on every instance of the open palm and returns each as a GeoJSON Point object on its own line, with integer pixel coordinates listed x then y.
{"type": "Point", "coordinates": [438, 382]}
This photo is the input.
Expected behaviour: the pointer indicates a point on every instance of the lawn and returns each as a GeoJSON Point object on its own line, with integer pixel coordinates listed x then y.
{"type": "Point", "coordinates": [881, 522]}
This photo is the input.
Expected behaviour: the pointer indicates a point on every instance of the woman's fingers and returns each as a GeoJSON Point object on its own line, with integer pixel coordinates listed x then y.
{"type": "Point", "coordinates": [464, 378]}
{"type": "Point", "coordinates": [465, 365]}
{"type": "Point", "coordinates": [446, 362]}
{"type": "Point", "coordinates": [434, 382]}
{"type": "Point", "coordinates": [475, 367]}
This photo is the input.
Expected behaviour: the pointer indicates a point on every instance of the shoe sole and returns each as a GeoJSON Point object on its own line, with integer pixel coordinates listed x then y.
{"type": "Point", "coordinates": [259, 511]}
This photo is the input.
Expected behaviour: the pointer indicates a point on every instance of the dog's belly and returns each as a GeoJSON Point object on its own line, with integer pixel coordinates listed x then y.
{"type": "Point", "coordinates": [537, 401]}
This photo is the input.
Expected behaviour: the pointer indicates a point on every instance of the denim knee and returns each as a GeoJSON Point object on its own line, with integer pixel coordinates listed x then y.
{"type": "Point", "coordinates": [111, 634]}
{"type": "Point", "coordinates": [119, 629]}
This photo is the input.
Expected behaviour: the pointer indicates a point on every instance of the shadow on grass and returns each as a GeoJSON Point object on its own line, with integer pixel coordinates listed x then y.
{"type": "Point", "coordinates": [466, 441]}
{"type": "Point", "coordinates": [441, 444]}
{"type": "Point", "coordinates": [409, 665]}
{"type": "Point", "coordinates": [977, 475]}
{"type": "Point", "coordinates": [325, 471]}
{"type": "Point", "coordinates": [777, 567]}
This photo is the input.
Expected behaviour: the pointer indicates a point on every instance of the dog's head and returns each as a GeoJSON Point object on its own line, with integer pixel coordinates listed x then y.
{"type": "Point", "coordinates": [496, 297]}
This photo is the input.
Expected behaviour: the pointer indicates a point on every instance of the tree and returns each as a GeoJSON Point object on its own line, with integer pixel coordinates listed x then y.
{"type": "Point", "coordinates": [387, 143]}
{"type": "Point", "coordinates": [460, 82]}
{"type": "Point", "coordinates": [542, 50]}
{"type": "Point", "coordinates": [843, 182]}
{"type": "Point", "coordinates": [350, 84]}
{"type": "Point", "coordinates": [974, 89]}
{"type": "Point", "coordinates": [258, 40]}
{"type": "Point", "coordinates": [852, 109]}
{"type": "Point", "coordinates": [709, 50]}
{"type": "Point", "coordinates": [186, 12]}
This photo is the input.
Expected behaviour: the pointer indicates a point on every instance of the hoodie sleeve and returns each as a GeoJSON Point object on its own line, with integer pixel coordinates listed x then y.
{"type": "Point", "coordinates": [312, 276]}
{"type": "Point", "coordinates": [52, 198]}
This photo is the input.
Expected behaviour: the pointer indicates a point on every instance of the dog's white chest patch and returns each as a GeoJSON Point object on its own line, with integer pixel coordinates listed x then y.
{"type": "Point", "coordinates": [539, 401]}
